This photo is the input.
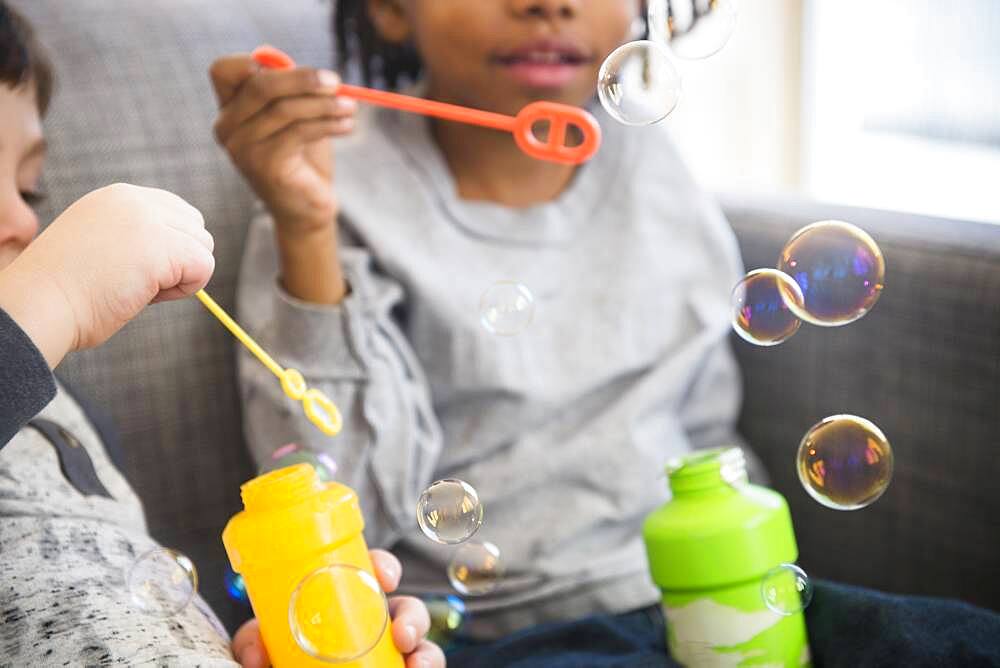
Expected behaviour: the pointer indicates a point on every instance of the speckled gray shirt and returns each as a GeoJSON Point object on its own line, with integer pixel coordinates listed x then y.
{"type": "Point", "coordinates": [64, 554]}
{"type": "Point", "coordinates": [563, 429]}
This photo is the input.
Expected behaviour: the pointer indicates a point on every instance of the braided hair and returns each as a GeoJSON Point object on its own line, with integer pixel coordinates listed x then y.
{"type": "Point", "coordinates": [359, 44]}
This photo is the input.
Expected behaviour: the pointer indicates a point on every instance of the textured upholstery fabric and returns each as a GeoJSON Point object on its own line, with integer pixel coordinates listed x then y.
{"type": "Point", "coordinates": [134, 104]}
{"type": "Point", "coordinates": [924, 365]}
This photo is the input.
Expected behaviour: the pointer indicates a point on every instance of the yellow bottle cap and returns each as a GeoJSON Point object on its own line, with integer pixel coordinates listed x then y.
{"type": "Point", "coordinates": [289, 513]}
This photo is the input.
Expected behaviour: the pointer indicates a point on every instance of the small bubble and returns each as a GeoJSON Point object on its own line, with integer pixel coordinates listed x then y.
{"type": "Point", "coordinates": [236, 588]}
{"type": "Point", "coordinates": [506, 308]}
{"type": "Point", "coordinates": [786, 589]}
{"type": "Point", "coordinates": [292, 453]}
{"type": "Point", "coordinates": [761, 307]}
{"type": "Point", "coordinates": [475, 569]}
{"type": "Point", "coordinates": [449, 511]}
{"type": "Point", "coordinates": [448, 615]}
{"type": "Point", "coordinates": [161, 582]}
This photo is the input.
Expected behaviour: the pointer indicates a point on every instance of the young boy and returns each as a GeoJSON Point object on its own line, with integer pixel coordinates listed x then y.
{"type": "Point", "coordinates": [70, 525]}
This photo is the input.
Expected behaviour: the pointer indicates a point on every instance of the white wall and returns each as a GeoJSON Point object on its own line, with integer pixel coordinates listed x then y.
{"type": "Point", "coordinates": [817, 97]}
{"type": "Point", "coordinates": [737, 123]}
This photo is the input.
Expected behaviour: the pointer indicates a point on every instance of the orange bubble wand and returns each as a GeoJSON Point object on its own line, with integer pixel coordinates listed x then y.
{"type": "Point", "coordinates": [558, 116]}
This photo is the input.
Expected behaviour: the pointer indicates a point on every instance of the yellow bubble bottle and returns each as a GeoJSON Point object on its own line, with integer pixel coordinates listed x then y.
{"type": "Point", "coordinates": [293, 524]}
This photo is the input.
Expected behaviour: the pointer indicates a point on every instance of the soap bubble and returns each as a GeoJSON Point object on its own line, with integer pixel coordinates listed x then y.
{"type": "Point", "coordinates": [638, 85]}
{"type": "Point", "coordinates": [839, 268]}
{"type": "Point", "coordinates": [845, 462]}
{"type": "Point", "coordinates": [449, 512]}
{"type": "Point", "coordinates": [475, 569]}
{"type": "Point", "coordinates": [338, 613]}
{"type": "Point", "coordinates": [786, 589]}
{"type": "Point", "coordinates": [760, 307]}
{"type": "Point", "coordinates": [692, 29]}
{"type": "Point", "coordinates": [292, 453]}
{"type": "Point", "coordinates": [506, 308]}
{"type": "Point", "coordinates": [447, 617]}
{"type": "Point", "coordinates": [236, 588]}
{"type": "Point", "coordinates": [161, 582]}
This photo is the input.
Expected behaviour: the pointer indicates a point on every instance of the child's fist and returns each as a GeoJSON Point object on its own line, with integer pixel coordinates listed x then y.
{"type": "Point", "coordinates": [276, 126]}
{"type": "Point", "coordinates": [101, 262]}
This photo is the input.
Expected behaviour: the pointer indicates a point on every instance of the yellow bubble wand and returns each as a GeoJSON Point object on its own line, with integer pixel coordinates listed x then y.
{"type": "Point", "coordinates": [318, 408]}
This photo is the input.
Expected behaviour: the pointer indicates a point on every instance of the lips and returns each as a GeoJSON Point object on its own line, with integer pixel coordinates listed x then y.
{"type": "Point", "coordinates": [545, 63]}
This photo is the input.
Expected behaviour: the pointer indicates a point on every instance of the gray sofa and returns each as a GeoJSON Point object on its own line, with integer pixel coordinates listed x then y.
{"type": "Point", "coordinates": [134, 104]}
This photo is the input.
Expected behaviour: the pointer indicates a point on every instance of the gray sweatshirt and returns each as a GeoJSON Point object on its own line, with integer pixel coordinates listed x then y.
{"type": "Point", "coordinates": [564, 429]}
{"type": "Point", "coordinates": [70, 527]}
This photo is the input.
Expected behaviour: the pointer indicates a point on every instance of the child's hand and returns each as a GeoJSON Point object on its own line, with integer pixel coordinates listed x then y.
{"type": "Point", "coordinates": [101, 262]}
{"type": "Point", "coordinates": [276, 126]}
{"type": "Point", "coordinates": [410, 623]}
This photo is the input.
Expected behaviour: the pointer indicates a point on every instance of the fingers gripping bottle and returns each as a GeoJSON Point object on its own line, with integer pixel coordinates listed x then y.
{"type": "Point", "coordinates": [709, 549]}
{"type": "Point", "coordinates": [293, 524]}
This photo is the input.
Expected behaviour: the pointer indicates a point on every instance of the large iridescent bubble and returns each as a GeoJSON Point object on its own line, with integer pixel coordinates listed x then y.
{"type": "Point", "coordinates": [845, 462]}
{"type": "Point", "coordinates": [839, 268]}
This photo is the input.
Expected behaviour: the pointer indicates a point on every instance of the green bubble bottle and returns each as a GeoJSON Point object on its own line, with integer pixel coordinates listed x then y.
{"type": "Point", "coordinates": [709, 549]}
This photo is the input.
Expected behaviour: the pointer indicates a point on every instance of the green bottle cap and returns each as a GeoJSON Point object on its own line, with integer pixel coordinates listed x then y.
{"type": "Point", "coordinates": [718, 530]}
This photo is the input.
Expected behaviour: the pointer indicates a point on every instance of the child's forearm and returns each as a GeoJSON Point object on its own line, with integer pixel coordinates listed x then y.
{"type": "Point", "coordinates": [40, 309]}
{"type": "Point", "coordinates": [310, 266]}
{"type": "Point", "coordinates": [103, 260]}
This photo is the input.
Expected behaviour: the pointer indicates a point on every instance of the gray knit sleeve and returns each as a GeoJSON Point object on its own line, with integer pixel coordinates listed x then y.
{"type": "Point", "coordinates": [26, 382]}
{"type": "Point", "coordinates": [356, 354]}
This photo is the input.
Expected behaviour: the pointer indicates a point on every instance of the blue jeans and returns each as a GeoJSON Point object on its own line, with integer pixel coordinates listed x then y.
{"type": "Point", "coordinates": [848, 626]}
{"type": "Point", "coordinates": [631, 640]}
